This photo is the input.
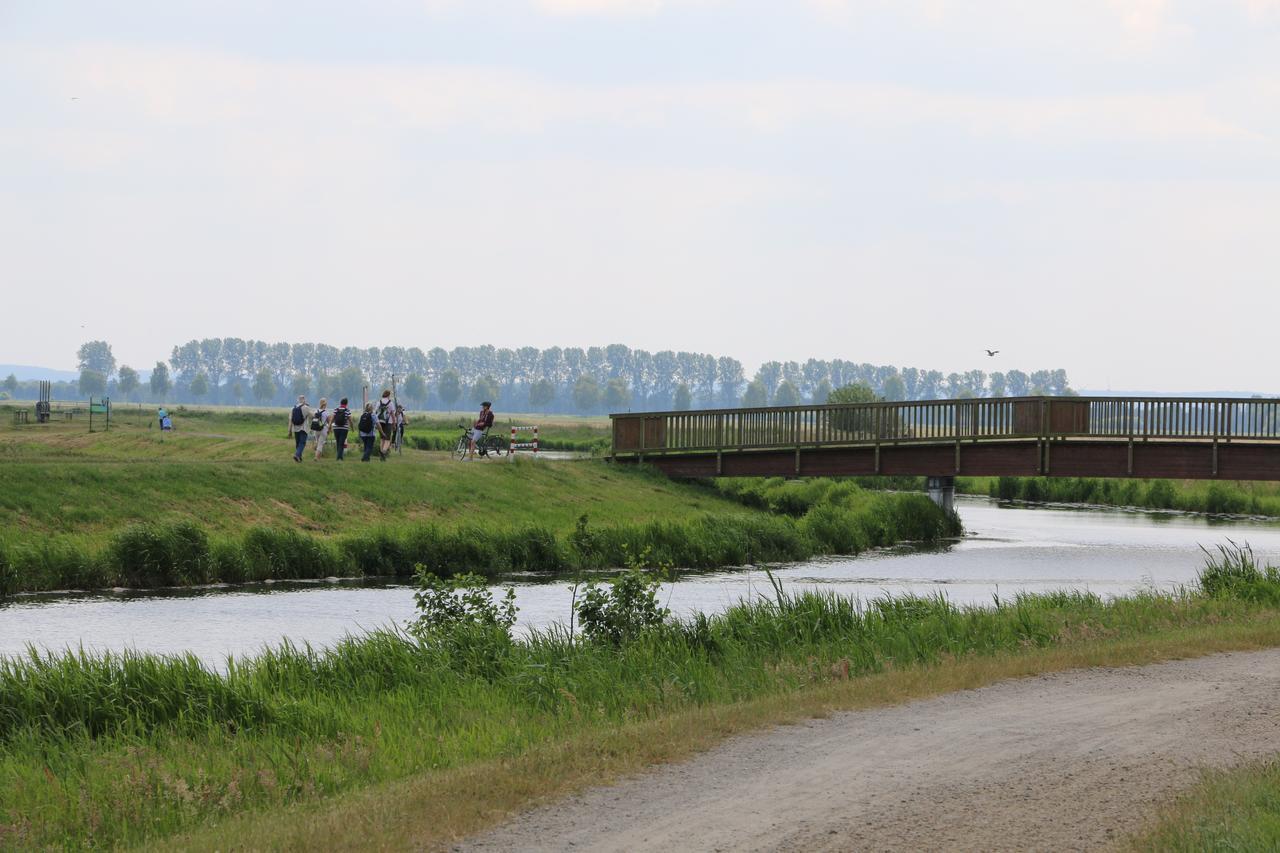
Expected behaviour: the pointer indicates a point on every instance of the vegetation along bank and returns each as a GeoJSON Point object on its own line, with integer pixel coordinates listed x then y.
{"type": "Point", "coordinates": [416, 737]}
{"type": "Point", "coordinates": [220, 500]}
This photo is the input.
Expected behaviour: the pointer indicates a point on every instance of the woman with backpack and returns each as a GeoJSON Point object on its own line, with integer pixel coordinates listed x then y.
{"type": "Point", "coordinates": [386, 415]}
{"type": "Point", "coordinates": [320, 425]}
{"type": "Point", "coordinates": [340, 423]}
{"type": "Point", "coordinates": [368, 429]}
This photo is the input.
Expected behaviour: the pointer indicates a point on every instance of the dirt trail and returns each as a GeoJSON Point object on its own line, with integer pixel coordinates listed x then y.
{"type": "Point", "coordinates": [1068, 761]}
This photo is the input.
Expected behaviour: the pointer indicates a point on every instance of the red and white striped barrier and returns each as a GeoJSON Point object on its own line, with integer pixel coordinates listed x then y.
{"type": "Point", "coordinates": [523, 445]}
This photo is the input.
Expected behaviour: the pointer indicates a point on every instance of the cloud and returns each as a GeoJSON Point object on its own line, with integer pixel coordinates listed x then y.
{"type": "Point", "coordinates": [149, 90]}
{"type": "Point", "coordinates": [600, 7]}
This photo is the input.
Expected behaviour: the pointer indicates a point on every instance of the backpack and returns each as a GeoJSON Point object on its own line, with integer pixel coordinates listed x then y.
{"type": "Point", "coordinates": [340, 416]}
{"type": "Point", "coordinates": [317, 422]}
{"type": "Point", "coordinates": [382, 410]}
{"type": "Point", "coordinates": [366, 422]}
{"type": "Point", "coordinates": [298, 418]}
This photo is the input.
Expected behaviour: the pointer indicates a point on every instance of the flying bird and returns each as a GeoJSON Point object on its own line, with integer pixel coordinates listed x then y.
{"type": "Point", "coordinates": [992, 352]}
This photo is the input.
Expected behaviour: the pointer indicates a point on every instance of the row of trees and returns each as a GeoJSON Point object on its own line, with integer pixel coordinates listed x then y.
{"type": "Point", "coordinates": [569, 379]}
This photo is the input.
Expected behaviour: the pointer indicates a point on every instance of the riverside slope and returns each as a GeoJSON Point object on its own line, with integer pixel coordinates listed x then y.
{"type": "Point", "coordinates": [1070, 760]}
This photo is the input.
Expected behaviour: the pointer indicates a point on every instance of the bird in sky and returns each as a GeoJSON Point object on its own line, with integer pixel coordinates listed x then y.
{"type": "Point", "coordinates": [992, 352]}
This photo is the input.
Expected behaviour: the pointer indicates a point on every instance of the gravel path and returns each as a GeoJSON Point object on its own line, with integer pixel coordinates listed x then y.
{"type": "Point", "coordinates": [1068, 761]}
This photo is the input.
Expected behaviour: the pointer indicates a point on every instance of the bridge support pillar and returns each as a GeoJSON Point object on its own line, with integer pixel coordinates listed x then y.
{"type": "Point", "coordinates": [942, 491]}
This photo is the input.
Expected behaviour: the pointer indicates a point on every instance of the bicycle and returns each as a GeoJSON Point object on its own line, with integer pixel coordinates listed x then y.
{"type": "Point", "coordinates": [489, 446]}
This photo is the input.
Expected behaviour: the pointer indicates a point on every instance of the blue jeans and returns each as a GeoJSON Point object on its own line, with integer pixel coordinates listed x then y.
{"type": "Point", "coordinates": [340, 436]}
{"type": "Point", "coordinates": [299, 443]}
{"type": "Point", "coordinates": [368, 446]}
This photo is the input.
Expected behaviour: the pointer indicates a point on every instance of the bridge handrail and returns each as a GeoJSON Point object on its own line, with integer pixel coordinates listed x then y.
{"type": "Point", "coordinates": [948, 421]}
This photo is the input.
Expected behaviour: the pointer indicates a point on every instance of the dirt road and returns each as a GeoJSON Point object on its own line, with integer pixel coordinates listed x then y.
{"type": "Point", "coordinates": [1067, 761]}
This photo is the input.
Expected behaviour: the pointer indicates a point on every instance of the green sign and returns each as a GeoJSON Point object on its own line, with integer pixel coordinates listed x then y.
{"type": "Point", "coordinates": [98, 408]}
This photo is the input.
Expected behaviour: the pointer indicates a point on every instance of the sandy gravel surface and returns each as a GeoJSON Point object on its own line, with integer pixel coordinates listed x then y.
{"type": "Point", "coordinates": [1067, 761]}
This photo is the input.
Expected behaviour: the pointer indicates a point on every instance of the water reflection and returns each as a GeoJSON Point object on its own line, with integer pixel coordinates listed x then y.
{"type": "Point", "coordinates": [1006, 550]}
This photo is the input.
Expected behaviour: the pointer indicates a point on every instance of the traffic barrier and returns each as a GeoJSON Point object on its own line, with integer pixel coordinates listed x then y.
{"type": "Point", "coordinates": [523, 445]}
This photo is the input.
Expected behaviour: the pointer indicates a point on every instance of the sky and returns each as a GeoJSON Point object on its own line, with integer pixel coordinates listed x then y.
{"type": "Point", "coordinates": [1088, 185]}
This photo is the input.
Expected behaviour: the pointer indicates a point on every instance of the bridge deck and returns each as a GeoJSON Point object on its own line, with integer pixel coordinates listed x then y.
{"type": "Point", "coordinates": [1183, 438]}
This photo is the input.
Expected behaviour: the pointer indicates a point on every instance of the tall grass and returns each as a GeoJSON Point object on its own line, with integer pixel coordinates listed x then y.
{"type": "Point", "coordinates": [107, 749]}
{"type": "Point", "coordinates": [1229, 498]}
{"type": "Point", "coordinates": [819, 518]}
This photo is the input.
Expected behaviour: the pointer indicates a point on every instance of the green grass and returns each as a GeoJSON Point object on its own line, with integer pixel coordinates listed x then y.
{"type": "Point", "coordinates": [122, 749]}
{"type": "Point", "coordinates": [1234, 498]}
{"type": "Point", "coordinates": [220, 499]}
{"type": "Point", "coordinates": [1228, 811]}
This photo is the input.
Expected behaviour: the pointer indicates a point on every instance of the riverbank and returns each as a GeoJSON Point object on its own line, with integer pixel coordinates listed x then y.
{"type": "Point", "coordinates": [1207, 496]}
{"type": "Point", "coordinates": [136, 508]}
{"type": "Point", "coordinates": [391, 740]}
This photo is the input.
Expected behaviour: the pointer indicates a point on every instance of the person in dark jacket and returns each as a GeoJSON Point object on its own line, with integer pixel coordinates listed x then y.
{"type": "Point", "coordinates": [341, 421]}
{"type": "Point", "coordinates": [482, 423]}
{"type": "Point", "coordinates": [368, 430]}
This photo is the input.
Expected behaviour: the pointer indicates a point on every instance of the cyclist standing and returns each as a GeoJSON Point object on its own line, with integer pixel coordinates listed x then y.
{"type": "Point", "coordinates": [483, 421]}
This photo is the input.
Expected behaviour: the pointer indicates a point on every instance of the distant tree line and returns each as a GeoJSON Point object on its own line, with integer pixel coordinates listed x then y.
{"type": "Point", "coordinates": [570, 379]}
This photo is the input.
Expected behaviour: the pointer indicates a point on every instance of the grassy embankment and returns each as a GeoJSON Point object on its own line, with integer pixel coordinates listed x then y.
{"type": "Point", "coordinates": [220, 499]}
{"type": "Point", "coordinates": [389, 740]}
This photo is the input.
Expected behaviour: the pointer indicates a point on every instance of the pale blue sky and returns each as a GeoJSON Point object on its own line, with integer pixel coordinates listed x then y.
{"type": "Point", "coordinates": [1089, 185]}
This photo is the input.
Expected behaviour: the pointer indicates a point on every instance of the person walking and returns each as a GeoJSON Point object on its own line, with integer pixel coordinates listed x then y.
{"type": "Point", "coordinates": [340, 422]}
{"type": "Point", "coordinates": [401, 420]}
{"type": "Point", "coordinates": [320, 425]}
{"type": "Point", "coordinates": [298, 418]}
{"type": "Point", "coordinates": [386, 414]}
{"type": "Point", "coordinates": [368, 430]}
{"type": "Point", "coordinates": [481, 426]}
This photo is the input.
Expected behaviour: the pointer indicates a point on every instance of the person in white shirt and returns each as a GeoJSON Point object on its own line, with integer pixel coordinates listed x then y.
{"type": "Point", "coordinates": [320, 421]}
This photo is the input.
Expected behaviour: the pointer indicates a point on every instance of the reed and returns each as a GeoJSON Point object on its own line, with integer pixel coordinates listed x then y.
{"type": "Point", "coordinates": [115, 749]}
{"type": "Point", "coordinates": [1226, 498]}
{"type": "Point", "coordinates": [791, 523]}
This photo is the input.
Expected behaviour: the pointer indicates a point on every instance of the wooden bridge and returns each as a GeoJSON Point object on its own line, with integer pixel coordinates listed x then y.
{"type": "Point", "coordinates": [1156, 437]}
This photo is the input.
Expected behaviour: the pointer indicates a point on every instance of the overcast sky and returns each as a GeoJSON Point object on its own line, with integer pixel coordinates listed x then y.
{"type": "Point", "coordinates": [1088, 184]}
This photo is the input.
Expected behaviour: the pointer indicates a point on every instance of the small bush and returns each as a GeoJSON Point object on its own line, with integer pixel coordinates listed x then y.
{"type": "Point", "coordinates": [1233, 572]}
{"type": "Point", "coordinates": [271, 552]}
{"type": "Point", "coordinates": [149, 555]}
{"type": "Point", "coordinates": [624, 610]}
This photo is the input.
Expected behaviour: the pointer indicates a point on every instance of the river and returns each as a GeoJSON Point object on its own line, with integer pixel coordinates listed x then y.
{"type": "Point", "coordinates": [1005, 550]}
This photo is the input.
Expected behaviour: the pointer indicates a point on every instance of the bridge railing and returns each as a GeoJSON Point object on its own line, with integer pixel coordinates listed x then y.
{"type": "Point", "coordinates": [1137, 418]}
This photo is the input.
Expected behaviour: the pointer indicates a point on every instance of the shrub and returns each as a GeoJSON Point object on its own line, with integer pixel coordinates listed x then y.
{"type": "Point", "coordinates": [626, 609]}
{"type": "Point", "coordinates": [8, 575]}
{"type": "Point", "coordinates": [459, 619]}
{"type": "Point", "coordinates": [1233, 572]}
{"type": "Point", "coordinates": [147, 555]}
{"type": "Point", "coordinates": [271, 552]}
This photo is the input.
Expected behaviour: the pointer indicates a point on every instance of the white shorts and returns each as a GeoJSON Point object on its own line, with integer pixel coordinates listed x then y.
{"type": "Point", "coordinates": [477, 434]}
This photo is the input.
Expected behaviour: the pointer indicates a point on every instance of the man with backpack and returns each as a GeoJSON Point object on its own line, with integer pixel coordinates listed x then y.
{"type": "Point", "coordinates": [298, 419]}
{"type": "Point", "coordinates": [341, 421]}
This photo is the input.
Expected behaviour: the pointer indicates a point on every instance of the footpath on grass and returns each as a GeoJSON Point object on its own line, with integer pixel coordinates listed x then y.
{"type": "Point", "coordinates": [1067, 761]}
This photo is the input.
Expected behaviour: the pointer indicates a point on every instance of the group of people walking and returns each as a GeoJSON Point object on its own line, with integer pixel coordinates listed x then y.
{"type": "Point", "coordinates": [380, 425]}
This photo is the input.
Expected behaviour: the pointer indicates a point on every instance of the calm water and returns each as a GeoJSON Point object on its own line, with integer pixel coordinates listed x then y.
{"type": "Point", "coordinates": [1005, 550]}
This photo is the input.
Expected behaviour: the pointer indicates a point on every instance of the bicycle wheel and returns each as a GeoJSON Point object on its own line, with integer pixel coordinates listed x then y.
{"type": "Point", "coordinates": [460, 449]}
{"type": "Point", "coordinates": [495, 446]}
